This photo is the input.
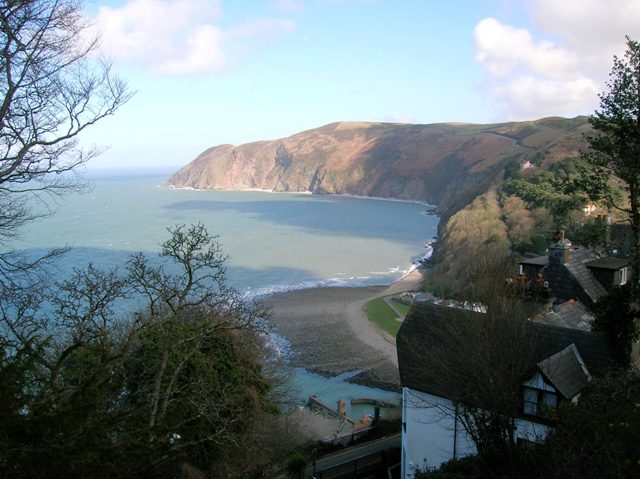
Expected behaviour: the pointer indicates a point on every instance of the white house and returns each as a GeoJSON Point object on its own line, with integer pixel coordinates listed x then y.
{"type": "Point", "coordinates": [432, 431]}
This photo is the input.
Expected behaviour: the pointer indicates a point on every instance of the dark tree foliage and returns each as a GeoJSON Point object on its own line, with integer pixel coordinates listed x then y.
{"type": "Point", "coordinates": [615, 318]}
{"type": "Point", "coordinates": [552, 189]}
{"type": "Point", "coordinates": [88, 391]}
{"type": "Point", "coordinates": [555, 190]}
{"type": "Point", "coordinates": [615, 146]}
{"type": "Point", "coordinates": [600, 435]}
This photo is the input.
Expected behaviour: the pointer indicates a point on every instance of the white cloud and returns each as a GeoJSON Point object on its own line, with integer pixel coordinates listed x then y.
{"type": "Point", "coordinates": [263, 27]}
{"type": "Point", "coordinates": [560, 68]}
{"type": "Point", "coordinates": [202, 52]}
{"type": "Point", "coordinates": [399, 119]}
{"type": "Point", "coordinates": [345, 2]}
{"type": "Point", "coordinates": [589, 25]}
{"type": "Point", "coordinates": [287, 5]}
{"type": "Point", "coordinates": [529, 96]}
{"type": "Point", "coordinates": [176, 37]}
{"type": "Point", "coordinates": [503, 49]}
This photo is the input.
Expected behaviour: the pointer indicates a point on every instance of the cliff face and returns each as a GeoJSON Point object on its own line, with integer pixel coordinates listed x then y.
{"type": "Point", "coordinates": [445, 164]}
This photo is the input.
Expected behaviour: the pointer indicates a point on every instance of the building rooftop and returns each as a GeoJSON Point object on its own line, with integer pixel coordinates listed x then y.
{"type": "Point", "coordinates": [536, 260]}
{"type": "Point", "coordinates": [610, 262]}
{"type": "Point", "coordinates": [571, 314]}
{"type": "Point", "coordinates": [566, 371]}
{"type": "Point", "coordinates": [578, 267]}
{"type": "Point", "coordinates": [430, 326]}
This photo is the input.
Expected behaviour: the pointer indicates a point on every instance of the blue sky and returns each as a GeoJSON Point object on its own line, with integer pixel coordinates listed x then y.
{"type": "Point", "coordinates": [209, 72]}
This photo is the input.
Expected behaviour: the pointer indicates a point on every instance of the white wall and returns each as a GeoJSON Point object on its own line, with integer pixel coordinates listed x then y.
{"type": "Point", "coordinates": [428, 429]}
{"type": "Point", "coordinates": [531, 431]}
{"type": "Point", "coordinates": [428, 432]}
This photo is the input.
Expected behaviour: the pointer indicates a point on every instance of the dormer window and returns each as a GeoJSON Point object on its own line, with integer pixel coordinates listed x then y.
{"type": "Point", "coordinates": [538, 401]}
{"type": "Point", "coordinates": [562, 375]}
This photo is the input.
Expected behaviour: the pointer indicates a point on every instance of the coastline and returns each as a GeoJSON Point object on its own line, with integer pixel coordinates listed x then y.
{"type": "Point", "coordinates": [326, 325]}
{"type": "Point", "coordinates": [302, 192]}
{"type": "Point", "coordinates": [330, 333]}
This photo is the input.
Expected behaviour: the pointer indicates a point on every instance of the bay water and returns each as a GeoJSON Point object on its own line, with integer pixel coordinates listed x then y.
{"type": "Point", "coordinates": [275, 241]}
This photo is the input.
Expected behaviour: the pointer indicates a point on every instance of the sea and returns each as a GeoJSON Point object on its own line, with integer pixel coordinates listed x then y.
{"type": "Point", "coordinates": [274, 241]}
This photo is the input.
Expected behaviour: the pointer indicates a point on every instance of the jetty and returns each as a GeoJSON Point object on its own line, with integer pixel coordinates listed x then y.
{"type": "Point", "coordinates": [375, 402]}
{"type": "Point", "coordinates": [315, 403]}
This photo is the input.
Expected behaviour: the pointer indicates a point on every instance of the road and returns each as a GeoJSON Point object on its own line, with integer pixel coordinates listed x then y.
{"type": "Point", "coordinates": [356, 452]}
{"type": "Point", "coordinates": [352, 453]}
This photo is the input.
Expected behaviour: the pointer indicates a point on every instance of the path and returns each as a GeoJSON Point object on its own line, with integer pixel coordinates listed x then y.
{"type": "Point", "coordinates": [367, 331]}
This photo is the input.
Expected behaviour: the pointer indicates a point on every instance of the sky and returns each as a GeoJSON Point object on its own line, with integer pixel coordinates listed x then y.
{"type": "Point", "coordinates": [211, 72]}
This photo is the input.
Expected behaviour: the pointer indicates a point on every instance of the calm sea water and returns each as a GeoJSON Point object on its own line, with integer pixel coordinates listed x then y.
{"type": "Point", "coordinates": [275, 241]}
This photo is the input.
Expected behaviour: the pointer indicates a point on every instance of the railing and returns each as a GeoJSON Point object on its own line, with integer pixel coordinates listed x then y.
{"type": "Point", "coordinates": [352, 468]}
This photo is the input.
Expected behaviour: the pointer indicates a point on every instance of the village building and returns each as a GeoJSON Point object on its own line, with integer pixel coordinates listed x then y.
{"type": "Point", "coordinates": [566, 283]}
{"type": "Point", "coordinates": [562, 363]}
{"type": "Point", "coordinates": [574, 272]}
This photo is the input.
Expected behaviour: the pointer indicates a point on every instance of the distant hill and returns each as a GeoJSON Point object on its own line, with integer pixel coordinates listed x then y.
{"type": "Point", "coordinates": [445, 164]}
{"type": "Point", "coordinates": [459, 167]}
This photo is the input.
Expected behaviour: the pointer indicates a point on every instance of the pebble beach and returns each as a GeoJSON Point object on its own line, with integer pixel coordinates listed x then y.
{"type": "Point", "coordinates": [330, 333]}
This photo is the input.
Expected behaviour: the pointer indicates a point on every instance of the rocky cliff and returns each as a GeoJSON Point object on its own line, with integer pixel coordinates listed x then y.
{"type": "Point", "coordinates": [445, 164]}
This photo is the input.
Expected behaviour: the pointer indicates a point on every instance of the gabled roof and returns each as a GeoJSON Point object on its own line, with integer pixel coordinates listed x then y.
{"type": "Point", "coordinates": [593, 346]}
{"type": "Point", "coordinates": [610, 262]}
{"type": "Point", "coordinates": [566, 371]}
{"type": "Point", "coordinates": [423, 328]}
{"type": "Point", "coordinates": [571, 314]}
{"type": "Point", "coordinates": [580, 260]}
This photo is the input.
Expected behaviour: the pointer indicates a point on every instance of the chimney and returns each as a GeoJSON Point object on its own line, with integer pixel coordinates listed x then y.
{"type": "Point", "coordinates": [342, 408]}
{"type": "Point", "coordinates": [560, 251]}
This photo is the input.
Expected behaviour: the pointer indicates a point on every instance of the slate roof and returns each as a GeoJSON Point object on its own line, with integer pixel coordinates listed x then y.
{"type": "Point", "coordinates": [422, 328]}
{"type": "Point", "coordinates": [536, 261]}
{"type": "Point", "coordinates": [578, 268]}
{"type": "Point", "coordinates": [571, 314]}
{"type": "Point", "coordinates": [593, 346]}
{"type": "Point", "coordinates": [580, 260]}
{"type": "Point", "coordinates": [425, 327]}
{"type": "Point", "coordinates": [566, 371]}
{"type": "Point", "coordinates": [610, 262]}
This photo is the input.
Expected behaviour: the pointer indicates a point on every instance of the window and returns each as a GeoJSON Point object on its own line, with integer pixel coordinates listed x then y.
{"type": "Point", "coordinates": [536, 401]}
{"type": "Point", "coordinates": [624, 273]}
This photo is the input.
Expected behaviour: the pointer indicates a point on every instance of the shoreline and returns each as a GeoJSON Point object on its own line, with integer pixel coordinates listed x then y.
{"type": "Point", "coordinates": [326, 326]}
{"type": "Point", "coordinates": [330, 333]}
{"type": "Point", "coordinates": [306, 192]}
{"type": "Point", "coordinates": [262, 294]}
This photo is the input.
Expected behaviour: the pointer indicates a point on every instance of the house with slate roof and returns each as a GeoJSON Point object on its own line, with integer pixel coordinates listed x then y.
{"type": "Point", "coordinates": [561, 376]}
{"type": "Point", "coordinates": [574, 273]}
{"type": "Point", "coordinates": [563, 363]}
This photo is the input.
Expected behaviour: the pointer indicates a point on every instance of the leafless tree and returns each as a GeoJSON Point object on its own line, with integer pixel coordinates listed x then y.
{"type": "Point", "coordinates": [52, 87]}
{"type": "Point", "coordinates": [476, 359]}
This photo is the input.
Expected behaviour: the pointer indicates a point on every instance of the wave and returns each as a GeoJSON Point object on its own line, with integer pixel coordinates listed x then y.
{"type": "Point", "coordinates": [352, 282]}
{"type": "Point", "coordinates": [376, 278]}
{"type": "Point", "coordinates": [425, 257]}
{"type": "Point", "coordinates": [280, 345]}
